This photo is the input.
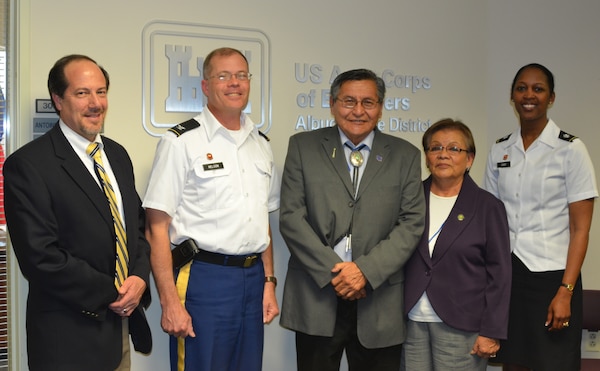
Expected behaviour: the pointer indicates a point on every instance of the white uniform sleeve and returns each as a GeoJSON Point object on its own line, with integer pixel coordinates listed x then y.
{"type": "Point", "coordinates": [167, 178]}
{"type": "Point", "coordinates": [580, 177]}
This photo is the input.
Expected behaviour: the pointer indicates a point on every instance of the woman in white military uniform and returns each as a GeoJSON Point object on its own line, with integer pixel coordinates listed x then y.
{"type": "Point", "coordinates": [546, 180]}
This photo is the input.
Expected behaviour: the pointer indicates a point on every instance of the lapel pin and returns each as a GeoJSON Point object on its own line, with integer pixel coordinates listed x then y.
{"type": "Point", "coordinates": [209, 156]}
{"type": "Point", "coordinates": [379, 158]}
{"type": "Point", "coordinates": [460, 217]}
{"type": "Point", "coordinates": [333, 153]}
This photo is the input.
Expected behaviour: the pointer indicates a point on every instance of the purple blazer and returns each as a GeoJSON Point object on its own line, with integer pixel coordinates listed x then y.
{"type": "Point", "coordinates": [468, 278]}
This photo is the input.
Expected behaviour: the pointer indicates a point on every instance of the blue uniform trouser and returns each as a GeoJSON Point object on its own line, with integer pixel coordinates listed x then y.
{"type": "Point", "coordinates": [226, 308]}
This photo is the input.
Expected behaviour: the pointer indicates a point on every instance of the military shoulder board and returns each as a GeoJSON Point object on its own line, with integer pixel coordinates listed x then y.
{"type": "Point", "coordinates": [184, 127]}
{"type": "Point", "coordinates": [504, 138]}
{"type": "Point", "coordinates": [566, 136]}
{"type": "Point", "coordinates": [264, 136]}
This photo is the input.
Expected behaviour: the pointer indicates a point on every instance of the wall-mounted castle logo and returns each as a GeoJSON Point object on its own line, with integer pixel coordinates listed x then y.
{"type": "Point", "coordinates": [185, 94]}
{"type": "Point", "coordinates": [172, 58]}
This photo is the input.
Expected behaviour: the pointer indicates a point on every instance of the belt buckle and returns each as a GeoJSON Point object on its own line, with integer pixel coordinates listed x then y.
{"type": "Point", "coordinates": [250, 260]}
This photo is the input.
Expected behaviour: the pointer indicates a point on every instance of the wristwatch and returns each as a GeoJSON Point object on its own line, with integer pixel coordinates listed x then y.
{"type": "Point", "coordinates": [271, 279]}
{"type": "Point", "coordinates": [569, 286]}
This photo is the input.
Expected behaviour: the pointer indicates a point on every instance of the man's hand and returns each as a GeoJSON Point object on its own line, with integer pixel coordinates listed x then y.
{"type": "Point", "coordinates": [349, 283]}
{"type": "Point", "coordinates": [176, 320]}
{"type": "Point", "coordinates": [130, 294]}
{"type": "Point", "coordinates": [270, 308]}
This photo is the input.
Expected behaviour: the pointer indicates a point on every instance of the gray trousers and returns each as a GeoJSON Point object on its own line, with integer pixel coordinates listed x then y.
{"type": "Point", "coordinates": [435, 346]}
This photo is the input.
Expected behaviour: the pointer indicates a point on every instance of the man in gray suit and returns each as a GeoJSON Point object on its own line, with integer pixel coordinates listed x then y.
{"type": "Point", "coordinates": [352, 212]}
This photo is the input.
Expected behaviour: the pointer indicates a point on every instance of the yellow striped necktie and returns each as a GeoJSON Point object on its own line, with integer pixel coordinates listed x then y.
{"type": "Point", "coordinates": [121, 271]}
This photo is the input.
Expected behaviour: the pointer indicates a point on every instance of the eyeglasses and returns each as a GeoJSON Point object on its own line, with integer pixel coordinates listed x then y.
{"type": "Point", "coordinates": [454, 150]}
{"type": "Point", "coordinates": [226, 76]}
{"type": "Point", "coordinates": [351, 103]}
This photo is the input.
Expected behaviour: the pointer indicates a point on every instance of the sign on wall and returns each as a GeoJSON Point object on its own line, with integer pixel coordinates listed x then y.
{"type": "Point", "coordinates": [172, 58]}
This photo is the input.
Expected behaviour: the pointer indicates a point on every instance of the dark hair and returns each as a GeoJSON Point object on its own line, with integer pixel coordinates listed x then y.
{"type": "Point", "coordinates": [357, 75]}
{"type": "Point", "coordinates": [57, 81]}
{"type": "Point", "coordinates": [220, 52]}
{"type": "Point", "coordinates": [449, 124]}
{"type": "Point", "coordinates": [545, 71]}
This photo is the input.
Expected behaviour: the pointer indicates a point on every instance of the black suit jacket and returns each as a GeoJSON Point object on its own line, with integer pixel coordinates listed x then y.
{"type": "Point", "coordinates": [63, 236]}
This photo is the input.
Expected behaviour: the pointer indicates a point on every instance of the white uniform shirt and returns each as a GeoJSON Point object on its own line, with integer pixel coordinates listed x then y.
{"type": "Point", "coordinates": [218, 189]}
{"type": "Point", "coordinates": [537, 187]}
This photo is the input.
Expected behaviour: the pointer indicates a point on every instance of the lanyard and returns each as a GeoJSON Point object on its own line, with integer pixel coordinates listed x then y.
{"type": "Point", "coordinates": [437, 232]}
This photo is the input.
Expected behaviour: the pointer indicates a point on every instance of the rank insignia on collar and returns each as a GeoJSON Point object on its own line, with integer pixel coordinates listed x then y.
{"type": "Point", "coordinates": [566, 136]}
{"type": "Point", "coordinates": [504, 138]}
{"type": "Point", "coordinates": [184, 127]}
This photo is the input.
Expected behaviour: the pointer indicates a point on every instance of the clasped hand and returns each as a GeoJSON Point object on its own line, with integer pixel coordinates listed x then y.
{"type": "Point", "coordinates": [349, 283]}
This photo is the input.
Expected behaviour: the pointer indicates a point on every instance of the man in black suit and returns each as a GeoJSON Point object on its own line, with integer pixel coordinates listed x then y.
{"type": "Point", "coordinates": [63, 233]}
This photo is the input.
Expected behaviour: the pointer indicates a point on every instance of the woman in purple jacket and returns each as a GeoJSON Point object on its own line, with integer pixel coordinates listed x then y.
{"type": "Point", "coordinates": [458, 279]}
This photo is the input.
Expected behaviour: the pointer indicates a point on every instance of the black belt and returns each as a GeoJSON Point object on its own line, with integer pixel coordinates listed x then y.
{"type": "Point", "coordinates": [244, 261]}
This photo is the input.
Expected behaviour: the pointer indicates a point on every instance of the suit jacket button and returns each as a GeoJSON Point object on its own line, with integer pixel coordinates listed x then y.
{"type": "Point", "coordinates": [351, 204]}
{"type": "Point", "coordinates": [428, 273]}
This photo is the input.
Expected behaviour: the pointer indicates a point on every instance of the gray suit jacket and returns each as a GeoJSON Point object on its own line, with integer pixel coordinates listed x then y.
{"type": "Point", "coordinates": [316, 209]}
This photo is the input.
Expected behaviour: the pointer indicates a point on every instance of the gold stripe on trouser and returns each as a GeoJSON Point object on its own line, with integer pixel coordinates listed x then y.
{"type": "Point", "coordinates": [183, 279]}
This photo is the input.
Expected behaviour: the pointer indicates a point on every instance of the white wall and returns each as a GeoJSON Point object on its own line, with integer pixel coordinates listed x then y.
{"type": "Point", "coordinates": [469, 49]}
